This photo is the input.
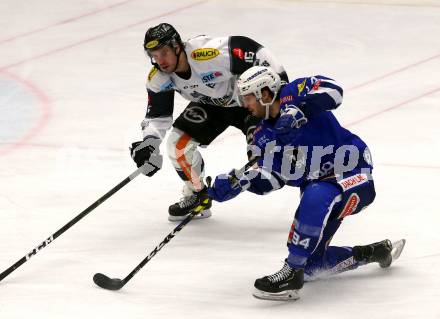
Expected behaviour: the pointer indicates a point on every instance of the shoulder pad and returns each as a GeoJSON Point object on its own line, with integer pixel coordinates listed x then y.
{"type": "Point", "coordinates": [159, 81]}
{"type": "Point", "coordinates": [205, 48]}
{"type": "Point", "coordinates": [152, 73]}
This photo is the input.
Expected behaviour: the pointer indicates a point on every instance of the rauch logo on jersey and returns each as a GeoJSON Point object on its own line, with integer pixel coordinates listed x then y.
{"type": "Point", "coordinates": [204, 54]}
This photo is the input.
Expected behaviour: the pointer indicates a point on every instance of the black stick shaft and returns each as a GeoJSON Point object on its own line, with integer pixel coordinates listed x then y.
{"type": "Point", "coordinates": [178, 228]}
{"type": "Point", "coordinates": [247, 166]}
{"type": "Point", "coordinates": [71, 223]}
{"type": "Point", "coordinates": [159, 247]}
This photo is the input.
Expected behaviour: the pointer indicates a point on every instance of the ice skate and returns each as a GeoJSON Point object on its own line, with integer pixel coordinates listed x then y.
{"type": "Point", "coordinates": [383, 252]}
{"type": "Point", "coordinates": [282, 285]}
{"type": "Point", "coordinates": [191, 200]}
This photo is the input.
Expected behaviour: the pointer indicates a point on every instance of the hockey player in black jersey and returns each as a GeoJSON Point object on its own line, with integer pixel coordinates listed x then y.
{"type": "Point", "coordinates": [203, 70]}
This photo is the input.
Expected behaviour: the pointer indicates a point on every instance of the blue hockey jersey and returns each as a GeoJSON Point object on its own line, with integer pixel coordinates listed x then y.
{"type": "Point", "coordinates": [321, 149]}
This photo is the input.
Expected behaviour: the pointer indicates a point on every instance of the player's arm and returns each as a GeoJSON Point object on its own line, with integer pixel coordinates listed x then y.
{"type": "Point", "coordinates": [245, 53]}
{"type": "Point", "coordinates": [159, 116]}
{"type": "Point", "coordinates": [279, 166]}
{"type": "Point", "coordinates": [262, 180]}
{"type": "Point", "coordinates": [312, 95]}
{"type": "Point", "coordinates": [303, 99]}
{"type": "Point", "coordinates": [157, 121]}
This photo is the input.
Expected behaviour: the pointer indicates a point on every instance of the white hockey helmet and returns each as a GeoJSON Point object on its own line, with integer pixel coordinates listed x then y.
{"type": "Point", "coordinates": [257, 78]}
{"type": "Point", "coordinates": [253, 80]}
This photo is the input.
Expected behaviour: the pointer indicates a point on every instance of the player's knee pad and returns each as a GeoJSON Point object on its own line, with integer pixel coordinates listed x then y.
{"type": "Point", "coordinates": [183, 153]}
{"type": "Point", "coordinates": [180, 144]}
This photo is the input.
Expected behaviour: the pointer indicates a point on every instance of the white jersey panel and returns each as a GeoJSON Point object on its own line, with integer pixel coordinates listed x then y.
{"type": "Point", "coordinates": [211, 80]}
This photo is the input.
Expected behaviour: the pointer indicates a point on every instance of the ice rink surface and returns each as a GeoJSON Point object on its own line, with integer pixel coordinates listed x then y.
{"type": "Point", "coordinates": [72, 96]}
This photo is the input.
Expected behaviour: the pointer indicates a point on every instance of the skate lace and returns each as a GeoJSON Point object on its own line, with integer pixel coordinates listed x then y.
{"type": "Point", "coordinates": [281, 275]}
{"type": "Point", "coordinates": [188, 201]}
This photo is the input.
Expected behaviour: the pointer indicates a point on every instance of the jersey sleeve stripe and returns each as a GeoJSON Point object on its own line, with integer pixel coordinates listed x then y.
{"type": "Point", "coordinates": [332, 85]}
{"type": "Point", "coordinates": [334, 94]}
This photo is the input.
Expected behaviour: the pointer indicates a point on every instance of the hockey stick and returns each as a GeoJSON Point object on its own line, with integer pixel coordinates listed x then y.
{"type": "Point", "coordinates": [108, 283]}
{"type": "Point", "coordinates": [146, 168]}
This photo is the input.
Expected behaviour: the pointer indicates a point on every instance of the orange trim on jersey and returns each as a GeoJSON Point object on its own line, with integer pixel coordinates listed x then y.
{"type": "Point", "coordinates": [183, 163]}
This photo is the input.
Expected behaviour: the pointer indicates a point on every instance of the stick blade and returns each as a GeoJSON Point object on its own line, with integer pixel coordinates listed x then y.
{"type": "Point", "coordinates": [107, 283]}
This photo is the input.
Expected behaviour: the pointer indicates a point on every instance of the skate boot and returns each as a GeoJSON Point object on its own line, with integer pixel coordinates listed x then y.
{"type": "Point", "coordinates": [378, 252]}
{"type": "Point", "coordinates": [282, 285]}
{"type": "Point", "coordinates": [191, 200]}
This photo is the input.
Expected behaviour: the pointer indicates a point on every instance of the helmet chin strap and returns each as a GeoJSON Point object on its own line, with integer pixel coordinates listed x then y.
{"type": "Point", "coordinates": [267, 106]}
{"type": "Point", "coordinates": [178, 57]}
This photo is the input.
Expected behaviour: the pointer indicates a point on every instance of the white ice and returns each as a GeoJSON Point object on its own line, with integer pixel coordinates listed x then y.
{"type": "Point", "coordinates": [72, 76]}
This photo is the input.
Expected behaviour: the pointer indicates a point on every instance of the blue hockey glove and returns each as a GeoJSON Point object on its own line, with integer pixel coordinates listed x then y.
{"type": "Point", "coordinates": [286, 128]}
{"type": "Point", "coordinates": [147, 151]}
{"type": "Point", "coordinates": [226, 187]}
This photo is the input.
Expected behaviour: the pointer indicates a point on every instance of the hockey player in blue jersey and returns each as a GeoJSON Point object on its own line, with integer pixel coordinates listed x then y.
{"type": "Point", "coordinates": [301, 144]}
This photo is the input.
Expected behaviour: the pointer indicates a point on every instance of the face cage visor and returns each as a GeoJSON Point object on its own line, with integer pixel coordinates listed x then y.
{"type": "Point", "coordinates": [172, 43]}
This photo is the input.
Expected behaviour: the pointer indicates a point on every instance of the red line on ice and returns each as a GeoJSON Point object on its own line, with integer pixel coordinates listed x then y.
{"type": "Point", "coordinates": [392, 107]}
{"type": "Point", "coordinates": [44, 105]}
{"type": "Point", "coordinates": [99, 36]}
{"type": "Point", "coordinates": [32, 32]}
{"type": "Point", "coordinates": [44, 100]}
{"type": "Point", "coordinates": [393, 72]}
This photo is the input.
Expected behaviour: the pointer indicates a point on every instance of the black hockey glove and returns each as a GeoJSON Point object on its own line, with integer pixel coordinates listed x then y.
{"type": "Point", "coordinates": [147, 151]}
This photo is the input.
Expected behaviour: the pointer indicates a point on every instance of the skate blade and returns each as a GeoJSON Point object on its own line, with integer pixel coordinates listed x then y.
{"type": "Point", "coordinates": [204, 214]}
{"type": "Point", "coordinates": [397, 249]}
{"type": "Point", "coordinates": [288, 295]}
